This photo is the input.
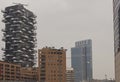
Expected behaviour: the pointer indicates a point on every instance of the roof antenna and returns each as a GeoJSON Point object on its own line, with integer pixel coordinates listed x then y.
{"type": "Point", "coordinates": [20, 4]}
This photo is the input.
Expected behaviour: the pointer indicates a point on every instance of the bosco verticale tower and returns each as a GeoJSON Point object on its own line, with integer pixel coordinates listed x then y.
{"type": "Point", "coordinates": [19, 35]}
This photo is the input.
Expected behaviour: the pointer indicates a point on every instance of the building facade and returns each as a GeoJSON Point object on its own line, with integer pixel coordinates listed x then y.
{"type": "Point", "coordinates": [29, 74]}
{"type": "Point", "coordinates": [52, 64]}
{"type": "Point", "coordinates": [82, 60]}
{"type": "Point", "coordinates": [104, 80]}
{"type": "Point", "coordinates": [10, 72]}
{"type": "Point", "coordinates": [70, 75]}
{"type": "Point", "coordinates": [116, 20]}
{"type": "Point", "coordinates": [19, 35]}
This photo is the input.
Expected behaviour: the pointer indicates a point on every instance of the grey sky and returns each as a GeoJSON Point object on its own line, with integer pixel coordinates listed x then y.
{"type": "Point", "coordinates": [62, 22]}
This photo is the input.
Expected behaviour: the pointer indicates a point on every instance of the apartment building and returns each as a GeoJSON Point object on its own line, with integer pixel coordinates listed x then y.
{"type": "Point", "coordinates": [9, 71]}
{"type": "Point", "coordinates": [52, 64]}
{"type": "Point", "coordinates": [29, 74]}
{"type": "Point", "coordinates": [13, 72]}
{"type": "Point", "coordinates": [19, 35]}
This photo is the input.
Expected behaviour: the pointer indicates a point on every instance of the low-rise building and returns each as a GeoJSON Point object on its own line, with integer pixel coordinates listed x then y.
{"type": "Point", "coordinates": [9, 71]}
{"type": "Point", "coordinates": [29, 74]}
{"type": "Point", "coordinates": [15, 73]}
{"type": "Point", "coordinates": [103, 80]}
{"type": "Point", "coordinates": [70, 75]}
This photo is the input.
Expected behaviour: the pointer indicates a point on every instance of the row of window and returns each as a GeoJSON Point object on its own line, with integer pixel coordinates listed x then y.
{"type": "Point", "coordinates": [53, 52]}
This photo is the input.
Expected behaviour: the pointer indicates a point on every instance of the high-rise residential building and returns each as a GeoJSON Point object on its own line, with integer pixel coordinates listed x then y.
{"type": "Point", "coordinates": [82, 60]}
{"type": "Point", "coordinates": [116, 19]}
{"type": "Point", "coordinates": [70, 75]}
{"type": "Point", "coordinates": [52, 64]}
{"type": "Point", "coordinates": [19, 35]}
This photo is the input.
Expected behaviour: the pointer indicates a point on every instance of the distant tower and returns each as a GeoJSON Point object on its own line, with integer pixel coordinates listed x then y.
{"type": "Point", "coordinates": [19, 35]}
{"type": "Point", "coordinates": [82, 60]}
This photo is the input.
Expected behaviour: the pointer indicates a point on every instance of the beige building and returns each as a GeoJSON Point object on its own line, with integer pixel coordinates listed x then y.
{"type": "Point", "coordinates": [29, 74]}
{"type": "Point", "coordinates": [52, 64]}
{"type": "Point", "coordinates": [9, 71]}
{"type": "Point", "coordinates": [70, 75]}
{"type": "Point", "coordinates": [15, 73]}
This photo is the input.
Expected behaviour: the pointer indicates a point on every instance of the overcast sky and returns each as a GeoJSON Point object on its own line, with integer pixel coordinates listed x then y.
{"type": "Point", "coordinates": [62, 22]}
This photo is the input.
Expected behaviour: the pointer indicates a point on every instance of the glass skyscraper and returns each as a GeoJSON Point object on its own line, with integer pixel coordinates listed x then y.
{"type": "Point", "coordinates": [82, 60]}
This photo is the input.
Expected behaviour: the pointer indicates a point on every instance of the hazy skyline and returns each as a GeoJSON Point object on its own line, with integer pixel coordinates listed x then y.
{"type": "Point", "coordinates": [61, 23]}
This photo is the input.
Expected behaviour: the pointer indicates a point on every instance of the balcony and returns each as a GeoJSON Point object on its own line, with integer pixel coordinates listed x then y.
{"type": "Point", "coordinates": [18, 11]}
{"type": "Point", "coordinates": [35, 39]}
{"type": "Point", "coordinates": [8, 55]}
{"type": "Point", "coordinates": [7, 23]}
{"type": "Point", "coordinates": [25, 36]}
{"type": "Point", "coordinates": [8, 42]}
{"type": "Point", "coordinates": [21, 61]}
{"type": "Point", "coordinates": [14, 58]}
{"type": "Point", "coordinates": [14, 19]}
{"type": "Point", "coordinates": [19, 50]}
{"type": "Point", "coordinates": [34, 22]}
{"type": "Point", "coordinates": [15, 45]}
{"type": "Point", "coordinates": [15, 38]}
{"type": "Point", "coordinates": [24, 48]}
{"type": "Point", "coordinates": [29, 32]}
{"type": "Point", "coordinates": [33, 18]}
{"type": "Point", "coordinates": [24, 17]}
{"type": "Point", "coordinates": [7, 36]}
{"type": "Point", "coordinates": [15, 25]}
{"type": "Point", "coordinates": [23, 29]}
{"type": "Point", "coordinates": [19, 31]}
{"type": "Point", "coordinates": [30, 23]}
{"type": "Point", "coordinates": [31, 41]}
{"type": "Point", "coordinates": [31, 60]}
{"type": "Point", "coordinates": [25, 56]}
{"type": "Point", "coordinates": [8, 16]}
{"type": "Point", "coordinates": [18, 41]}
{"type": "Point", "coordinates": [17, 22]}
{"type": "Point", "coordinates": [11, 10]}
